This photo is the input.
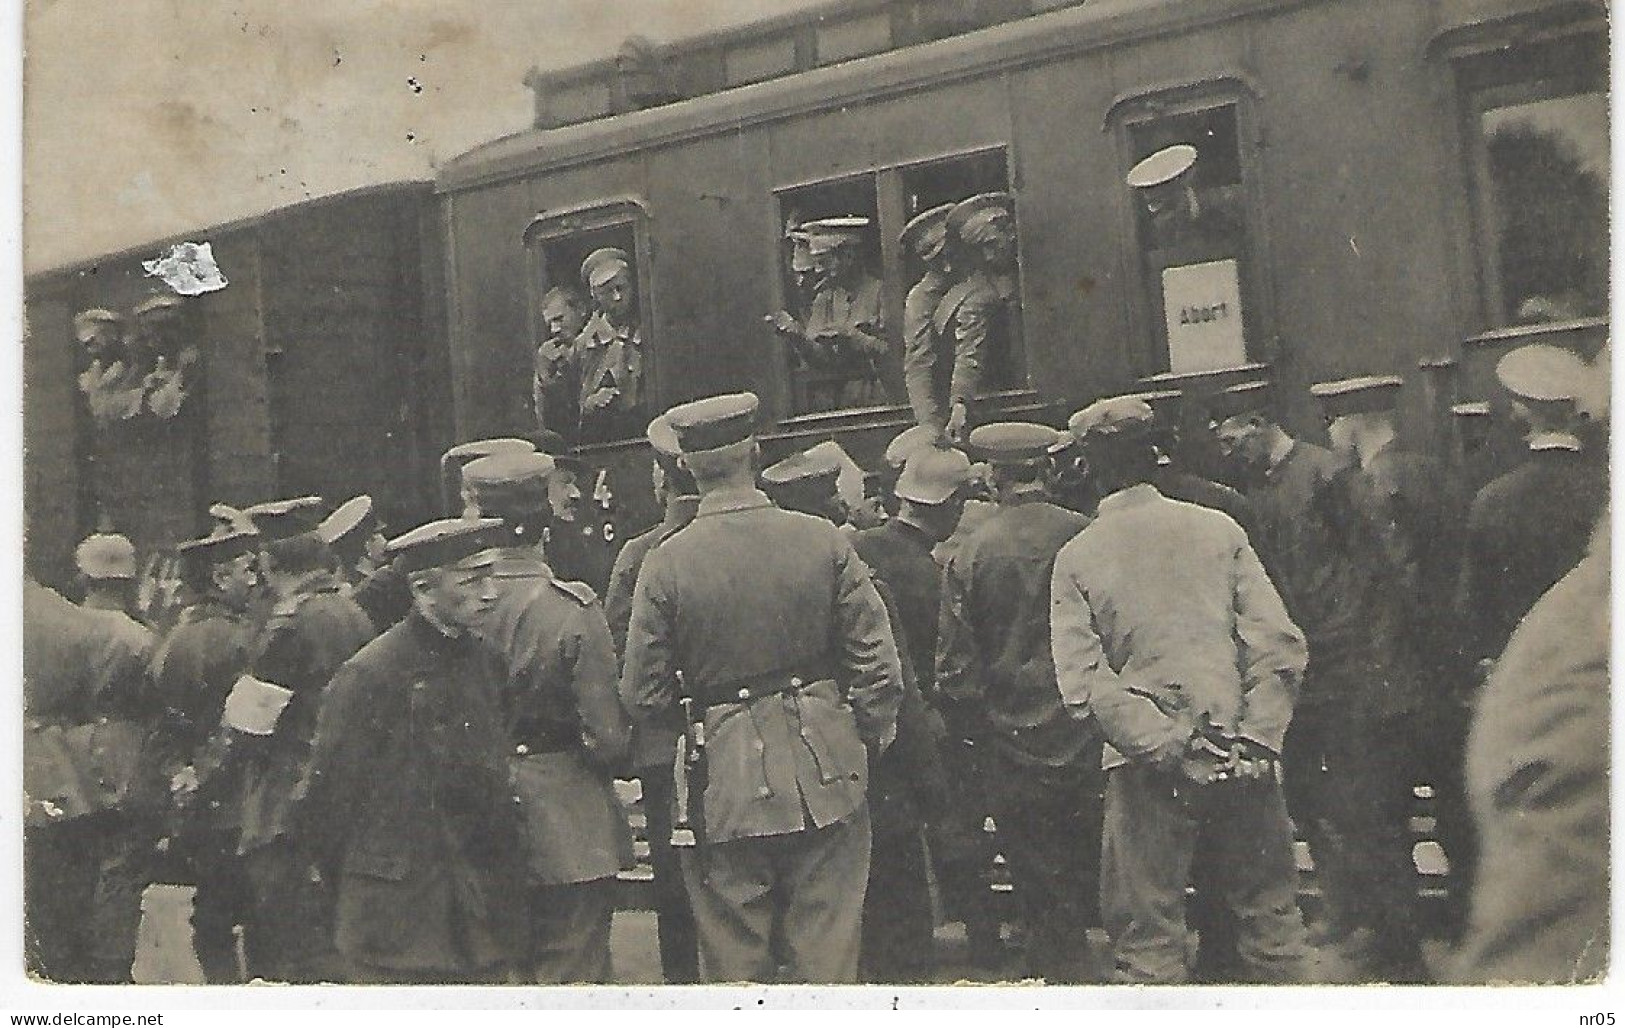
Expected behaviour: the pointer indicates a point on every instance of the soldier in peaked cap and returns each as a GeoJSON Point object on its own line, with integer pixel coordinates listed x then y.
{"type": "Point", "coordinates": [355, 538]}
{"type": "Point", "coordinates": [567, 729]}
{"type": "Point", "coordinates": [313, 628]}
{"type": "Point", "coordinates": [193, 671]}
{"type": "Point", "coordinates": [458, 457]}
{"type": "Point", "coordinates": [407, 807]}
{"type": "Point", "coordinates": [996, 688]}
{"type": "Point", "coordinates": [807, 482]}
{"type": "Point", "coordinates": [842, 342]}
{"type": "Point", "coordinates": [609, 351]}
{"type": "Point", "coordinates": [795, 683]}
{"type": "Point", "coordinates": [1179, 218]}
{"type": "Point", "coordinates": [653, 748]}
{"type": "Point", "coordinates": [979, 313]}
{"type": "Point", "coordinates": [927, 356]}
{"type": "Point", "coordinates": [906, 783]}
{"type": "Point", "coordinates": [1528, 527]}
{"type": "Point", "coordinates": [1316, 540]}
{"type": "Point", "coordinates": [1167, 635]}
{"type": "Point", "coordinates": [931, 494]}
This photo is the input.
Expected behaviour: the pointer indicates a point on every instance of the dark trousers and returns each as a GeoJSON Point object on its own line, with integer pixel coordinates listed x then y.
{"type": "Point", "coordinates": [1348, 782]}
{"type": "Point", "coordinates": [795, 899]}
{"type": "Point", "coordinates": [962, 853]}
{"type": "Point", "coordinates": [224, 900]}
{"type": "Point", "coordinates": [290, 935]}
{"type": "Point", "coordinates": [898, 936]}
{"type": "Point", "coordinates": [82, 893]}
{"type": "Point", "coordinates": [674, 920]}
{"type": "Point", "coordinates": [1155, 830]}
{"type": "Point", "coordinates": [569, 942]}
{"type": "Point", "coordinates": [1049, 830]}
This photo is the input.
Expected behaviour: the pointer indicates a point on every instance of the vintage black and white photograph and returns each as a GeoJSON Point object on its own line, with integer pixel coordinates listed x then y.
{"type": "Point", "coordinates": [1078, 493]}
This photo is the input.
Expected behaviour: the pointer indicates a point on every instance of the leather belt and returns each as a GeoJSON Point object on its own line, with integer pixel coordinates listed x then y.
{"type": "Point", "coordinates": [770, 683]}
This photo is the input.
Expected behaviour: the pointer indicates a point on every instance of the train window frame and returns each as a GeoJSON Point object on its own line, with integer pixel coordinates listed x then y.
{"type": "Point", "coordinates": [619, 212]}
{"type": "Point", "coordinates": [1150, 357]}
{"type": "Point", "coordinates": [891, 213]}
{"type": "Point", "coordinates": [1500, 72]}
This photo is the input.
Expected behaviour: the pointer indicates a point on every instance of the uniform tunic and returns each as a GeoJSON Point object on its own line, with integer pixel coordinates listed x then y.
{"type": "Point", "coordinates": [408, 809]}
{"type": "Point", "coordinates": [783, 867]}
{"type": "Point", "coordinates": [193, 672]}
{"type": "Point", "coordinates": [310, 634]}
{"type": "Point", "coordinates": [1041, 768]}
{"type": "Point", "coordinates": [609, 356]}
{"type": "Point", "coordinates": [847, 374]}
{"type": "Point", "coordinates": [994, 674]}
{"type": "Point", "coordinates": [978, 314]}
{"type": "Point", "coordinates": [561, 704]}
{"type": "Point", "coordinates": [651, 759]}
{"type": "Point", "coordinates": [927, 366]}
{"type": "Point", "coordinates": [1525, 531]}
{"type": "Point", "coordinates": [900, 555]}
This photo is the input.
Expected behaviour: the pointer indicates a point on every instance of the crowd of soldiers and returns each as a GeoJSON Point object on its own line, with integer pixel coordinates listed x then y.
{"type": "Point", "coordinates": [394, 760]}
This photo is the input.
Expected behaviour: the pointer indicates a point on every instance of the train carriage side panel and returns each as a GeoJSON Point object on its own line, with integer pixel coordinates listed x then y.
{"type": "Point", "coordinates": [1072, 249]}
{"type": "Point", "coordinates": [1359, 192]}
{"type": "Point", "coordinates": [52, 472]}
{"type": "Point", "coordinates": [242, 467]}
{"type": "Point", "coordinates": [488, 297]}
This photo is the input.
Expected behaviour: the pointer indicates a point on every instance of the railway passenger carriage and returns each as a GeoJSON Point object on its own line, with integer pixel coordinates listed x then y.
{"type": "Point", "coordinates": [1350, 144]}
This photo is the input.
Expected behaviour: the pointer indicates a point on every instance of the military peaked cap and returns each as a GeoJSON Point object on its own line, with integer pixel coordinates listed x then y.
{"type": "Point", "coordinates": [714, 422]}
{"type": "Point", "coordinates": [509, 484]}
{"type": "Point", "coordinates": [932, 475]}
{"type": "Point", "coordinates": [445, 542]}
{"type": "Point", "coordinates": [970, 220]}
{"type": "Point", "coordinates": [284, 519]}
{"type": "Point", "coordinates": [1162, 167]}
{"type": "Point", "coordinates": [1366, 395]}
{"type": "Point", "coordinates": [1543, 373]}
{"type": "Point", "coordinates": [1012, 442]}
{"type": "Point", "coordinates": [602, 264]}
{"type": "Point", "coordinates": [1241, 399]}
{"type": "Point", "coordinates": [927, 232]}
{"type": "Point", "coordinates": [353, 519]}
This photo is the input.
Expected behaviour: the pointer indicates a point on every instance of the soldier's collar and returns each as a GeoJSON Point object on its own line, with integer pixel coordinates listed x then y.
{"type": "Point", "coordinates": [722, 501]}
{"type": "Point", "coordinates": [1123, 499]}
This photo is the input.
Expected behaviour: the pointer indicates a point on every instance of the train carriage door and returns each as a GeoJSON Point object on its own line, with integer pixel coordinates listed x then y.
{"type": "Point", "coordinates": [588, 383]}
{"type": "Point", "coordinates": [1188, 172]}
{"type": "Point", "coordinates": [591, 315]}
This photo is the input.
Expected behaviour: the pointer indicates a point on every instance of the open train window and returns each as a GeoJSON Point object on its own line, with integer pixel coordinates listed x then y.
{"type": "Point", "coordinates": [1538, 151]}
{"type": "Point", "coordinates": [1002, 359]}
{"type": "Point", "coordinates": [591, 358]}
{"type": "Point", "coordinates": [832, 325]}
{"type": "Point", "coordinates": [1186, 178]}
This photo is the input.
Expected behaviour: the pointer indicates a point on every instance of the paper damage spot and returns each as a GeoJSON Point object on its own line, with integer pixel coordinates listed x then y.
{"type": "Point", "coordinates": [189, 269]}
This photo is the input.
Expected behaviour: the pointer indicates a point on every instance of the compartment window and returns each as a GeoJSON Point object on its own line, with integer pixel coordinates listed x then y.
{"type": "Point", "coordinates": [590, 355]}
{"type": "Point", "coordinates": [833, 325]}
{"type": "Point", "coordinates": [1538, 142]}
{"type": "Point", "coordinates": [1186, 178]}
{"type": "Point", "coordinates": [856, 331]}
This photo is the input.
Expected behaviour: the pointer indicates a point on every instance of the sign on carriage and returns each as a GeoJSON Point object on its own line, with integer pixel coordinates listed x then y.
{"type": "Point", "coordinates": [1202, 303]}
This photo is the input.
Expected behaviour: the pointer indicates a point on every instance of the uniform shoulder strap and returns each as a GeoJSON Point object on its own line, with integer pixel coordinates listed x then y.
{"type": "Point", "coordinates": [580, 592]}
